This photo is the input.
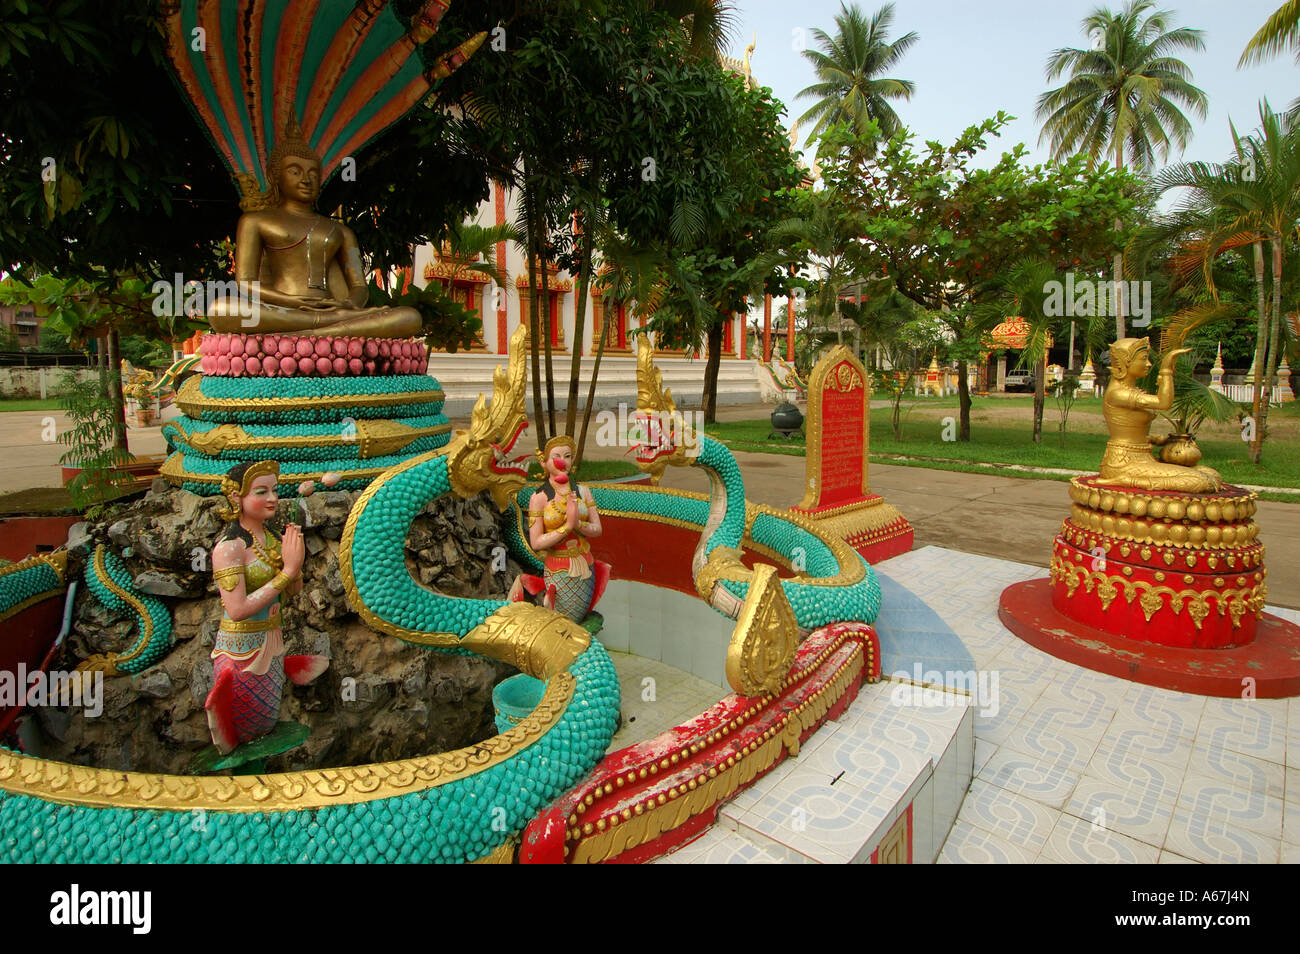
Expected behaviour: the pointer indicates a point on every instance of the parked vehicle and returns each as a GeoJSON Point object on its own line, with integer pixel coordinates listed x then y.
{"type": "Point", "coordinates": [1021, 381]}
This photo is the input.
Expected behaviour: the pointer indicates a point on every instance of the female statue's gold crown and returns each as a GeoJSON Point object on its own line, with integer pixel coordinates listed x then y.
{"type": "Point", "coordinates": [1122, 352]}
{"type": "Point", "coordinates": [235, 486]}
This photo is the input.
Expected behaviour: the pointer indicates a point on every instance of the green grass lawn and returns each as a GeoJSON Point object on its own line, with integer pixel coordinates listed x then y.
{"type": "Point", "coordinates": [29, 404]}
{"type": "Point", "coordinates": [1000, 444]}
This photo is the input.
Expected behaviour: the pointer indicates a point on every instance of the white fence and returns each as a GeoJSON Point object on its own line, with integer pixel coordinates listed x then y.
{"type": "Point", "coordinates": [1245, 394]}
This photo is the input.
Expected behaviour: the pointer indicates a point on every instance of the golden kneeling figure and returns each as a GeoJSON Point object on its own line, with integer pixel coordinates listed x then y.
{"type": "Point", "coordinates": [1129, 411]}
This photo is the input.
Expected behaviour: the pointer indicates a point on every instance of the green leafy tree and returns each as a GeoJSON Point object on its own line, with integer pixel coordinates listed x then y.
{"type": "Point", "coordinates": [1125, 94]}
{"type": "Point", "coordinates": [1254, 198]}
{"type": "Point", "coordinates": [850, 87]}
{"type": "Point", "coordinates": [1281, 30]}
{"type": "Point", "coordinates": [946, 232]}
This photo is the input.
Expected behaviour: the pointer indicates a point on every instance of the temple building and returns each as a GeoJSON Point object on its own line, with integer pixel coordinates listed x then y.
{"type": "Point", "coordinates": [744, 376]}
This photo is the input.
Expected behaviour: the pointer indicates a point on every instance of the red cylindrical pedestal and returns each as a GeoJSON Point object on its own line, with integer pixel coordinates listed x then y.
{"type": "Point", "coordinates": [1163, 567]}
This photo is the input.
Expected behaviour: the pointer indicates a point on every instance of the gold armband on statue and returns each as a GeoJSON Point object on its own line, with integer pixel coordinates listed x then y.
{"type": "Point", "coordinates": [281, 581]}
{"type": "Point", "coordinates": [228, 577]}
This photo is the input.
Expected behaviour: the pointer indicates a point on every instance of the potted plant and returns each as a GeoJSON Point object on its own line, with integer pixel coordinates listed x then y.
{"type": "Point", "coordinates": [1193, 403]}
{"type": "Point", "coordinates": [140, 390]}
{"type": "Point", "coordinates": [94, 469]}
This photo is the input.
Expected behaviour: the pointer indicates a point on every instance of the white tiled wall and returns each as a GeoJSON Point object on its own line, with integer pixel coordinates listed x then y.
{"type": "Point", "coordinates": [666, 626]}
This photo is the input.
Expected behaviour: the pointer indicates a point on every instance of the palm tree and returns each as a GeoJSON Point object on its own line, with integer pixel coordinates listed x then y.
{"type": "Point", "coordinates": [1279, 31]}
{"type": "Point", "coordinates": [1254, 198]}
{"type": "Point", "coordinates": [848, 66]}
{"type": "Point", "coordinates": [1123, 96]}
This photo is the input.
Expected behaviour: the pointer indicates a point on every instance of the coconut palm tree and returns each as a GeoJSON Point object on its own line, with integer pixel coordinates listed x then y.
{"type": "Point", "coordinates": [1125, 95]}
{"type": "Point", "coordinates": [1279, 31]}
{"type": "Point", "coordinates": [1254, 198]}
{"type": "Point", "coordinates": [849, 65]}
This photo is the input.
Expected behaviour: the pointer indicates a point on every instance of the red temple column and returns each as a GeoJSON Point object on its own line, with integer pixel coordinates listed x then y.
{"type": "Point", "coordinates": [789, 329]}
{"type": "Point", "coordinates": [767, 328]}
{"type": "Point", "coordinates": [502, 337]}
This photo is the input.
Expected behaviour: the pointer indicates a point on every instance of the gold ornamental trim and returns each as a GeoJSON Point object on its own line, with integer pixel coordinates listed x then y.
{"type": "Point", "coordinates": [656, 813]}
{"type": "Point", "coordinates": [250, 625]}
{"type": "Point", "coordinates": [766, 637]}
{"type": "Point", "coordinates": [377, 438]}
{"type": "Point", "coordinates": [845, 380]}
{"type": "Point", "coordinates": [193, 402]}
{"type": "Point", "coordinates": [1230, 602]}
{"type": "Point", "coordinates": [1250, 554]}
{"type": "Point", "coordinates": [1218, 536]}
{"type": "Point", "coordinates": [1214, 507]}
{"type": "Point", "coordinates": [860, 522]}
{"type": "Point", "coordinates": [758, 705]}
{"type": "Point", "coordinates": [456, 271]}
{"type": "Point", "coordinates": [290, 791]}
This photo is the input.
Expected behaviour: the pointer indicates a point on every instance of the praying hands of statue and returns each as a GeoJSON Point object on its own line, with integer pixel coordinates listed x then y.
{"type": "Point", "coordinates": [571, 513]}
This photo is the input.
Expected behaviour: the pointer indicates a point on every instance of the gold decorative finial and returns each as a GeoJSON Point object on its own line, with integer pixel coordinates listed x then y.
{"type": "Point", "coordinates": [765, 639]}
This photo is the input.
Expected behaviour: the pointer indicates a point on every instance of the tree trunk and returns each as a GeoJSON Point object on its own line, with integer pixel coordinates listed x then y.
{"type": "Point", "coordinates": [963, 400]}
{"type": "Point", "coordinates": [591, 391]}
{"type": "Point", "coordinates": [546, 316]}
{"type": "Point", "coordinates": [534, 333]}
{"type": "Point", "coordinates": [1040, 398]}
{"type": "Point", "coordinates": [115, 389]}
{"type": "Point", "coordinates": [579, 328]}
{"type": "Point", "coordinates": [1118, 265]}
{"type": "Point", "coordinates": [1261, 352]}
{"type": "Point", "coordinates": [711, 366]}
{"type": "Point", "coordinates": [1275, 327]}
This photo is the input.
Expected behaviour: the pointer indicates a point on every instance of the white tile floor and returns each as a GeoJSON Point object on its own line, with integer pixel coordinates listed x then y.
{"type": "Point", "coordinates": [1074, 766]}
{"type": "Point", "coordinates": [1082, 767]}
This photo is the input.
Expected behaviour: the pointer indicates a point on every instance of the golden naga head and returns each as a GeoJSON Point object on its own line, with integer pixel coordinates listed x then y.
{"type": "Point", "coordinates": [1123, 355]}
{"type": "Point", "coordinates": [484, 458]}
{"type": "Point", "coordinates": [660, 434]}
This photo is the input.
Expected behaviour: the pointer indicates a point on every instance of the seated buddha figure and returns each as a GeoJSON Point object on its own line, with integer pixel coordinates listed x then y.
{"type": "Point", "coordinates": [308, 267]}
{"type": "Point", "coordinates": [1129, 411]}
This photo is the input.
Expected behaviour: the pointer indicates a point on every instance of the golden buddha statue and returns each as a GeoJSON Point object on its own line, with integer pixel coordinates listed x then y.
{"type": "Point", "coordinates": [1129, 411]}
{"type": "Point", "coordinates": [308, 270]}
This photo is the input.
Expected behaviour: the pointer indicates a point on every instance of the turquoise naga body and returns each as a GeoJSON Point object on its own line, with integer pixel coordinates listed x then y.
{"type": "Point", "coordinates": [468, 818]}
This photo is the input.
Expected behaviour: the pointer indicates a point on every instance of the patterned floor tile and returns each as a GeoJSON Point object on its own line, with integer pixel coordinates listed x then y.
{"type": "Point", "coordinates": [1014, 818]}
{"type": "Point", "coordinates": [1237, 771]}
{"type": "Point", "coordinates": [1232, 805]}
{"type": "Point", "coordinates": [1075, 841]}
{"type": "Point", "coordinates": [828, 824]}
{"type": "Point", "coordinates": [1251, 726]}
{"type": "Point", "coordinates": [1197, 836]}
{"type": "Point", "coordinates": [1166, 712]}
{"type": "Point", "coordinates": [1045, 778]}
{"type": "Point", "coordinates": [722, 847]}
{"type": "Point", "coordinates": [1291, 822]}
{"type": "Point", "coordinates": [983, 752]}
{"type": "Point", "coordinates": [1140, 810]}
{"type": "Point", "coordinates": [1126, 741]}
{"type": "Point", "coordinates": [1169, 858]}
{"type": "Point", "coordinates": [875, 765]}
{"type": "Point", "coordinates": [968, 845]}
{"type": "Point", "coordinates": [1036, 736]}
{"type": "Point", "coordinates": [1290, 854]}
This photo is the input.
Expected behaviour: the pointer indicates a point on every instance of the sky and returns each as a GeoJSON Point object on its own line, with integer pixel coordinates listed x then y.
{"type": "Point", "coordinates": [975, 57]}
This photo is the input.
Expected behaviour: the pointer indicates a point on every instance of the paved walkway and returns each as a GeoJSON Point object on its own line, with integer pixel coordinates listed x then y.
{"type": "Point", "coordinates": [1011, 518]}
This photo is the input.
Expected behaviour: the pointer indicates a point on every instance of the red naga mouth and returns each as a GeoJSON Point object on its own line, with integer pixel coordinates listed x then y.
{"type": "Point", "coordinates": [504, 462]}
{"type": "Point", "coordinates": [650, 440]}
